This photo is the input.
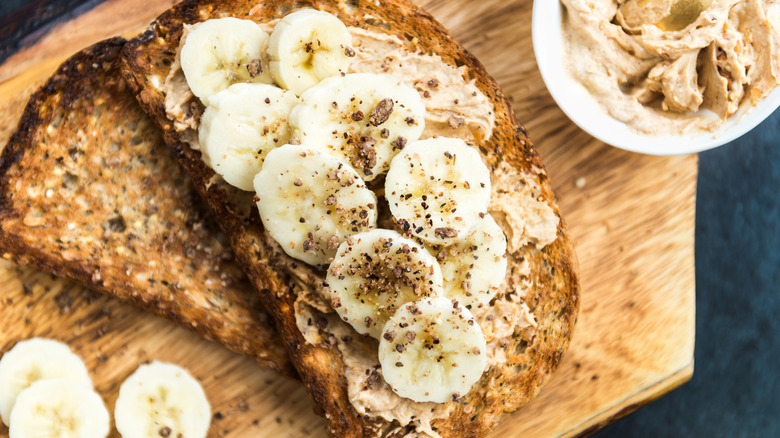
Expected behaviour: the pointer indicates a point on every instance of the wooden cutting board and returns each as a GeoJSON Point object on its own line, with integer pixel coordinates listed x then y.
{"type": "Point", "coordinates": [631, 217]}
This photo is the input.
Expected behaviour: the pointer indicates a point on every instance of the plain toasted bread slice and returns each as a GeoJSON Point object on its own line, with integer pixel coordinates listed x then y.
{"type": "Point", "coordinates": [554, 295]}
{"type": "Point", "coordinates": [89, 191]}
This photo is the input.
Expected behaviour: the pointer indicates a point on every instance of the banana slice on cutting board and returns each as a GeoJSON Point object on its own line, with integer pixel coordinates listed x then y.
{"type": "Point", "coordinates": [308, 46]}
{"type": "Point", "coordinates": [376, 272]}
{"type": "Point", "coordinates": [59, 408]}
{"type": "Point", "coordinates": [162, 399]}
{"type": "Point", "coordinates": [240, 126]}
{"type": "Point", "coordinates": [33, 360]}
{"type": "Point", "coordinates": [432, 350]}
{"type": "Point", "coordinates": [474, 268]}
{"type": "Point", "coordinates": [310, 202]}
{"type": "Point", "coordinates": [364, 119]}
{"type": "Point", "coordinates": [439, 187]}
{"type": "Point", "coordinates": [221, 52]}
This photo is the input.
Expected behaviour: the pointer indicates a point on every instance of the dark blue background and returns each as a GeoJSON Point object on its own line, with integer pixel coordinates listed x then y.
{"type": "Point", "coordinates": [735, 390]}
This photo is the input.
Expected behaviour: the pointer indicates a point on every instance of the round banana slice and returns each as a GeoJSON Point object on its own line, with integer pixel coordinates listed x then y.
{"type": "Point", "coordinates": [376, 272]}
{"type": "Point", "coordinates": [438, 188]}
{"type": "Point", "coordinates": [364, 119]}
{"type": "Point", "coordinates": [240, 126]}
{"type": "Point", "coordinates": [59, 408]}
{"type": "Point", "coordinates": [474, 268]}
{"type": "Point", "coordinates": [159, 400]}
{"type": "Point", "coordinates": [221, 52]}
{"type": "Point", "coordinates": [308, 46]}
{"type": "Point", "coordinates": [310, 202]}
{"type": "Point", "coordinates": [432, 350]}
{"type": "Point", "coordinates": [37, 359]}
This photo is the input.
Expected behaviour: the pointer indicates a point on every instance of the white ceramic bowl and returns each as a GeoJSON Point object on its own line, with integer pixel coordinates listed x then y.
{"type": "Point", "coordinates": [583, 110]}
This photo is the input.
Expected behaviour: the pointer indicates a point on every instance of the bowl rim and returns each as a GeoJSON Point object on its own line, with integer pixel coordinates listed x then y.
{"type": "Point", "coordinates": [579, 106]}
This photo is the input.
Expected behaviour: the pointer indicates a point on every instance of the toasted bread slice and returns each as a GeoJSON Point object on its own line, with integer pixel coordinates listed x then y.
{"type": "Point", "coordinates": [89, 191]}
{"type": "Point", "coordinates": [553, 295]}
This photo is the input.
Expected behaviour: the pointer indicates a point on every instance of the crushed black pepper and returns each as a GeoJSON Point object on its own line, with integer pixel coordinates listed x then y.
{"type": "Point", "coordinates": [446, 232]}
{"type": "Point", "coordinates": [374, 380]}
{"type": "Point", "coordinates": [399, 143]}
{"type": "Point", "coordinates": [366, 155]}
{"type": "Point", "coordinates": [255, 68]}
{"type": "Point", "coordinates": [381, 112]}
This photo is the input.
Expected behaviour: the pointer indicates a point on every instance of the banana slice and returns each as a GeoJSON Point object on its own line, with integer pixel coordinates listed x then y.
{"type": "Point", "coordinates": [474, 268]}
{"type": "Point", "coordinates": [364, 119]}
{"type": "Point", "coordinates": [438, 188]}
{"type": "Point", "coordinates": [221, 52]}
{"type": "Point", "coordinates": [240, 126]}
{"type": "Point", "coordinates": [310, 202]}
{"type": "Point", "coordinates": [432, 350]}
{"type": "Point", "coordinates": [36, 359]}
{"type": "Point", "coordinates": [376, 272]}
{"type": "Point", "coordinates": [59, 408]}
{"type": "Point", "coordinates": [308, 46]}
{"type": "Point", "coordinates": [159, 400]}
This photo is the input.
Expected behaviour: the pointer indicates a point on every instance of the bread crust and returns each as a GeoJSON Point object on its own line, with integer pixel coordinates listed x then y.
{"type": "Point", "coordinates": [83, 140]}
{"type": "Point", "coordinates": [554, 299]}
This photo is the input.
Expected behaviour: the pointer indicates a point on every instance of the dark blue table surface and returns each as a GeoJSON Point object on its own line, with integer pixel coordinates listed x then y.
{"type": "Point", "coordinates": [735, 390]}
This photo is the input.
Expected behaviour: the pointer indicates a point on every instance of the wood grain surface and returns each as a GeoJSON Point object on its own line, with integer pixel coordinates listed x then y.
{"type": "Point", "coordinates": [631, 217]}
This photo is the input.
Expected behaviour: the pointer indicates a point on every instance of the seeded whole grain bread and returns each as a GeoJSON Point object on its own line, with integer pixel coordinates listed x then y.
{"type": "Point", "coordinates": [90, 192]}
{"type": "Point", "coordinates": [554, 299]}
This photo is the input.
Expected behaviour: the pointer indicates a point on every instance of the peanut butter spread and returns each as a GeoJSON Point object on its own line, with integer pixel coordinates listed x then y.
{"type": "Point", "coordinates": [454, 105]}
{"type": "Point", "coordinates": [455, 108]}
{"type": "Point", "coordinates": [673, 66]}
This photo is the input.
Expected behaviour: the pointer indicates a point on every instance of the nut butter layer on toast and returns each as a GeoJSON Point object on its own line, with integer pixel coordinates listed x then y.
{"type": "Point", "coordinates": [553, 297]}
{"type": "Point", "coordinates": [88, 191]}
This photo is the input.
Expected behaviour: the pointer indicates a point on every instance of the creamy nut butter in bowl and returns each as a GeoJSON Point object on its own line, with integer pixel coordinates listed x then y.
{"type": "Point", "coordinates": [661, 77]}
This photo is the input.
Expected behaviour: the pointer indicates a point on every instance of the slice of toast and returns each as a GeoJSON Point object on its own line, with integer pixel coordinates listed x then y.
{"type": "Point", "coordinates": [89, 191]}
{"type": "Point", "coordinates": [553, 295]}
